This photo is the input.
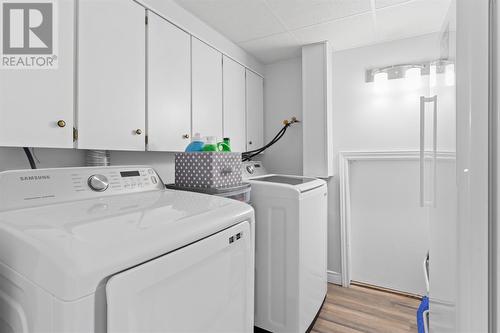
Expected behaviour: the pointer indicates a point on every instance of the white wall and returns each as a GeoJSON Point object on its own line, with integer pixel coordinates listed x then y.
{"type": "Point", "coordinates": [372, 117]}
{"type": "Point", "coordinates": [283, 100]}
{"type": "Point", "coordinates": [14, 158]}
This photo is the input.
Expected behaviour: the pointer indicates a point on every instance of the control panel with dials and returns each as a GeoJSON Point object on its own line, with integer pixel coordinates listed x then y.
{"type": "Point", "coordinates": [42, 186]}
{"type": "Point", "coordinates": [117, 179]}
{"type": "Point", "coordinates": [253, 169]}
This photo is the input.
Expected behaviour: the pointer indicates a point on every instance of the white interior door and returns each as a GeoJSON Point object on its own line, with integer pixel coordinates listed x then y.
{"type": "Point", "coordinates": [206, 89]}
{"type": "Point", "coordinates": [255, 110]}
{"type": "Point", "coordinates": [32, 102]}
{"type": "Point", "coordinates": [443, 210]}
{"type": "Point", "coordinates": [111, 75]}
{"type": "Point", "coordinates": [169, 86]}
{"type": "Point", "coordinates": [234, 104]}
{"type": "Point", "coordinates": [204, 287]}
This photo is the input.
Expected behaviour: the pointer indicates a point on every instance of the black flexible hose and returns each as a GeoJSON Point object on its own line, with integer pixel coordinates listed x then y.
{"type": "Point", "coordinates": [273, 141]}
{"type": "Point", "coordinates": [27, 151]}
{"type": "Point", "coordinates": [260, 150]}
{"type": "Point", "coordinates": [250, 154]}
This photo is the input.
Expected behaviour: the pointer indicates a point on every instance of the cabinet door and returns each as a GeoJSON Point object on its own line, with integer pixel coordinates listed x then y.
{"type": "Point", "coordinates": [255, 110]}
{"type": "Point", "coordinates": [169, 86]}
{"type": "Point", "coordinates": [112, 75]}
{"type": "Point", "coordinates": [33, 101]}
{"type": "Point", "coordinates": [207, 89]}
{"type": "Point", "coordinates": [234, 104]}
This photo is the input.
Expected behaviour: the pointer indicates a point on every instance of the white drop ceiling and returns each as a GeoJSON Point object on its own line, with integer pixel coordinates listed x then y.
{"type": "Point", "coordinates": [272, 30]}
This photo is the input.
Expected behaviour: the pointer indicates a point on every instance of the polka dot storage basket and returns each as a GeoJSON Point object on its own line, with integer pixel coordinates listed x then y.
{"type": "Point", "coordinates": [208, 170]}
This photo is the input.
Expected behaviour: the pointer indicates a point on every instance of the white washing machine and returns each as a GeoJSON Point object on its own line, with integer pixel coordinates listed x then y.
{"type": "Point", "coordinates": [291, 248]}
{"type": "Point", "coordinates": [110, 250]}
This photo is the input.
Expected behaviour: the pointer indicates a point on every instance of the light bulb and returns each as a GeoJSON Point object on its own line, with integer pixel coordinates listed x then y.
{"type": "Point", "coordinates": [412, 77]}
{"type": "Point", "coordinates": [449, 76]}
{"type": "Point", "coordinates": [380, 80]}
{"type": "Point", "coordinates": [433, 76]}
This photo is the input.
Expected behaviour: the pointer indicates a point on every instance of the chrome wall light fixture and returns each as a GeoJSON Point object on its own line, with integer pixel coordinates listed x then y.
{"type": "Point", "coordinates": [400, 71]}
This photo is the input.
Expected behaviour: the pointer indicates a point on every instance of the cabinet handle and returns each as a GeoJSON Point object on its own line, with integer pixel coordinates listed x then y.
{"type": "Point", "coordinates": [61, 123]}
{"type": "Point", "coordinates": [138, 131]}
{"type": "Point", "coordinates": [185, 136]}
{"type": "Point", "coordinates": [250, 142]}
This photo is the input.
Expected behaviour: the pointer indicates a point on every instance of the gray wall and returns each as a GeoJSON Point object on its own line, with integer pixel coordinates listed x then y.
{"type": "Point", "coordinates": [283, 100]}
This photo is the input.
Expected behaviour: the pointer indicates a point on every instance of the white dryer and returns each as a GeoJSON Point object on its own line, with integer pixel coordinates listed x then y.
{"type": "Point", "coordinates": [110, 250]}
{"type": "Point", "coordinates": [291, 248]}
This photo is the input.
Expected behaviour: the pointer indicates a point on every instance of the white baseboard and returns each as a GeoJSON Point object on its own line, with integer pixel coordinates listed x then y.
{"type": "Point", "coordinates": [334, 277]}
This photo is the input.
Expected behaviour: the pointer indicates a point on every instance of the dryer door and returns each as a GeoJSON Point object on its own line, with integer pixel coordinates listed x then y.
{"type": "Point", "coordinates": [204, 287]}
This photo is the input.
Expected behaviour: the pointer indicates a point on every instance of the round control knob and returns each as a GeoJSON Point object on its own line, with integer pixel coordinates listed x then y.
{"type": "Point", "coordinates": [98, 183]}
{"type": "Point", "coordinates": [250, 169]}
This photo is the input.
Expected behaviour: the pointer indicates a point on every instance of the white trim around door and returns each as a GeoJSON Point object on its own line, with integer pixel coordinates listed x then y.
{"type": "Point", "coordinates": [345, 159]}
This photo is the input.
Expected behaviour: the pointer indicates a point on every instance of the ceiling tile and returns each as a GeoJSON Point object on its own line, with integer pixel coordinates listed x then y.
{"type": "Point", "coordinates": [343, 34]}
{"type": "Point", "coordinates": [301, 13]}
{"type": "Point", "coordinates": [413, 18]}
{"type": "Point", "coordinates": [273, 48]}
{"type": "Point", "coordinates": [387, 3]}
{"type": "Point", "coordinates": [239, 20]}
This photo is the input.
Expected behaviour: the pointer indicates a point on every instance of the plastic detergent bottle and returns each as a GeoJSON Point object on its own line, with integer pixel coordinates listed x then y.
{"type": "Point", "coordinates": [225, 145]}
{"type": "Point", "coordinates": [211, 144]}
{"type": "Point", "coordinates": [196, 144]}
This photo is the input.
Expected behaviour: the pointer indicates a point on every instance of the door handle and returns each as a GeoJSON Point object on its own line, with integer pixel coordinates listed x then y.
{"type": "Point", "coordinates": [434, 152]}
{"type": "Point", "coordinates": [423, 101]}
{"type": "Point", "coordinates": [422, 143]}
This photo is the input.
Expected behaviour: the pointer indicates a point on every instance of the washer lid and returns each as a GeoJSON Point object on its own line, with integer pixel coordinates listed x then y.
{"type": "Point", "coordinates": [289, 180]}
{"type": "Point", "coordinates": [296, 185]}
{"type": "Point", "coordinates": [69, 248]}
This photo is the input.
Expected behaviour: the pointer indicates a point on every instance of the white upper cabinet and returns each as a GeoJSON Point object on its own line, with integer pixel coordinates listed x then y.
{"type": "Point", "coordinates": [206, 89]}
{"type": "Point", "coordinates": [111, 75]}
{"type": "Point", "coordinates": [255, 110]}
{"type": "Point", "coordinates": [234, 104]}
{"type": "Point", "coordinates": [36, 105]}
{"type": "Point", "coordinates": [169, 86]}
{"type": "Point", "coordinates": [317, 124]}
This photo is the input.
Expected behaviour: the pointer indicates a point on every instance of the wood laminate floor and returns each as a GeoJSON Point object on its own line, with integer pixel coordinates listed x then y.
{"type": "Point", "coordinates": [359, 309]}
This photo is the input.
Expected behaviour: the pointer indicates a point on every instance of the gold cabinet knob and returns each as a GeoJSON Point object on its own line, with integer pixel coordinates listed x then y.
{"type": "Point", "coordinates": [185, 136]}
{"type": "Point", "coordinates": [138, 131]}
{"type": "Point", "coordinates": [61, 123]}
